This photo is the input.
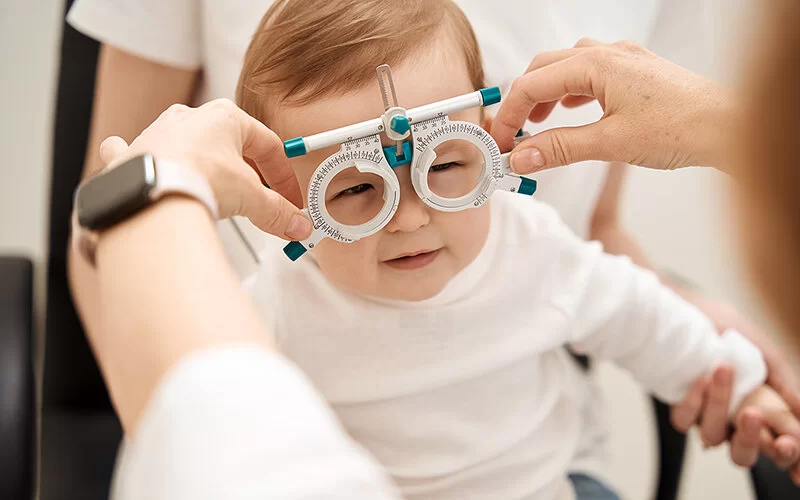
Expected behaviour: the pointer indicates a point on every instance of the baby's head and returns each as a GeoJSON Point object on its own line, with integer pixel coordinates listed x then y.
{"type": "Point", "coordinates": [311, 67]}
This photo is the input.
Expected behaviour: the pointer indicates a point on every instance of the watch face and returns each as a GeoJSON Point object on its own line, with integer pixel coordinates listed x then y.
{"type": "Point", "coordinates": [115, 195]}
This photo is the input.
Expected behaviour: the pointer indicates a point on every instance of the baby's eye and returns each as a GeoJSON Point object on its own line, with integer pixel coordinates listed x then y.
{"type": "Point", "coordinates": [355, 190]}
{"type": "Point", "coordinates": [443, 166]}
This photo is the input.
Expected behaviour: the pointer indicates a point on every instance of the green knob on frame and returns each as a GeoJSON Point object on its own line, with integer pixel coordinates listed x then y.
{"type": "Point", "coordinates": [400, 124]}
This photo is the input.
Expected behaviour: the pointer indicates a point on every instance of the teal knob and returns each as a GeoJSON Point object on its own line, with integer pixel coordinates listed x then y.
{"type": "Point", "coordinates": [400, 124]}
{"type": "Point", "coordinates": [490, 95]}
{"type": "Point", "coordinates": [294, 250]}
{"type": "Point", "coordinates": [527, 186]}
{"type": "Point", "coordinates": [294, 147]}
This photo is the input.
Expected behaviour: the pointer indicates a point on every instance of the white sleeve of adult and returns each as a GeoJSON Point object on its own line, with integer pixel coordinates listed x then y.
{"type": "Point", "coordinates": [241, 423]}
{"type": "Point", "coordinates": [626, 315]}
{"type": "Point", "coordinates": [167, 32]}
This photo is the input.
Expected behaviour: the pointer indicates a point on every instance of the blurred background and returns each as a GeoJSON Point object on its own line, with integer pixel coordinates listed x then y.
{"type": "Point", "coordinates": [682, 220]}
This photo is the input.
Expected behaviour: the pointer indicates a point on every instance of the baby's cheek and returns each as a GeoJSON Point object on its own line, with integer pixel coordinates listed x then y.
{"type": "Point", "coordinates": [466, 232]}
{"type": "Point", "coordinates": [347, 265]}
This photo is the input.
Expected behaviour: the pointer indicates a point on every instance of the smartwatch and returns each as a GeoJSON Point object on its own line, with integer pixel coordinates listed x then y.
{"type": "Point", "coordinates": [119, 192]}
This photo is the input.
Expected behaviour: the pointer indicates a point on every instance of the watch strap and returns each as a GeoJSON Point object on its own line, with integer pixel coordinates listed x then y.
{"type": "Point", "coordinates": [176, 178]}
{"type": "Point", "coordinates": [172, 178]}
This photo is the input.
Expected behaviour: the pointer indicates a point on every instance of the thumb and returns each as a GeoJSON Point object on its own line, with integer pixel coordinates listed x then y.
{"type": "Point", "coordinates": [274, 214]}
{"type": "Point", "coordinates": [111, 148]}
{"type": "Point", "coordinates": [782, 379]}
{"type": "Point", "coordinates": [561, 146]}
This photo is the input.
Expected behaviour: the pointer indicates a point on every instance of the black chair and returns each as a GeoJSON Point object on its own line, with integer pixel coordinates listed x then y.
{"type": "Point", "coordinates": [17, 387]}
{"type": "Point", "coordinates": [80, 431]}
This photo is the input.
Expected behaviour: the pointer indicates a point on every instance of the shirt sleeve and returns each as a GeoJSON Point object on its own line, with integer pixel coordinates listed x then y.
{"type": "Point", "coordinates": [626, 315]}
{"type": "Point", "coordinates": [167, 32]}
{"type": "Point", "coordinates": [240, 422]}
{"type": "Point", "coordinates": [623, 313]}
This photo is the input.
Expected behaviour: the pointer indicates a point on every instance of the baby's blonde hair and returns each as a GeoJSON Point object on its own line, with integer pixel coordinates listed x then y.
{"type": "Point", "coordinates": [307, 49]}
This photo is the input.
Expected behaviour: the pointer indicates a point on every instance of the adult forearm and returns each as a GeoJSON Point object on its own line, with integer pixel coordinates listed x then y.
{"type": "Point", "coordinates": [166, 289]}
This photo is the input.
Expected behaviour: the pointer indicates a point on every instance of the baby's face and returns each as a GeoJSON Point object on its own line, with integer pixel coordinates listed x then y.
{"type": "Point", "coordinates": [421, 248]}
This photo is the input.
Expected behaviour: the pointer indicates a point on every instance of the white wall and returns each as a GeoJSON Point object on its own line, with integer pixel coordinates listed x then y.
{"type": "Point", "coordinates": [680, 219]}
{"type": "Point", "coordinates": [30, 32]}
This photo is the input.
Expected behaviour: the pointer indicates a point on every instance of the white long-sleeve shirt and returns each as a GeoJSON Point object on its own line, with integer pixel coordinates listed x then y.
{"type": "Point", "coordinates": [240, 423]}
{"type": "Point", "coordinates": [469, 394]}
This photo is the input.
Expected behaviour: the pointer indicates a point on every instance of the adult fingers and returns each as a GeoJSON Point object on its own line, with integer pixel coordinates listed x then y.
{"type": "Point", "coordinates": [264, 147]}
{"type": "Point", "coordinates": [746, 438]}
{"type": "Point", "coordinates": [714, 427]}
{"type": "Point", "coordinates": [111, 148]}
{"type": "Point", "coordinates": [783, 450]}
{"type": "Point", "coordinates": [273, 213]}
{"type": "Point", "coordinates": [573, 75]}
{"type": "Point", "coordinates": [783, 379]}
{"type": "Point", "coordinates": [543, 59]}
{"type": "Point", "coordinates": [588, 42]}
{"type": "Point", "coordinates": [685, 414]}
{"type": "Point", "coordinates": [795, 474]}
{"type": "Point", "coordinates": [573, 101]}
{"type": "Point", "coordinates": [561, 146]}
{"type": "Point", "coordinates": [541, 111]}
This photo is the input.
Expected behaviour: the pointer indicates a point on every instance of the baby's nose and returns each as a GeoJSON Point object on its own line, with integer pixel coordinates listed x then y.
{"type": "Point", "coordinates": [412, 213]}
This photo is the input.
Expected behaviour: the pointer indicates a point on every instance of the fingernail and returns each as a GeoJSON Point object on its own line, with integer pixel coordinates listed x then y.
{"type": "Point", "coordinates": [527, 160]}
{"type": "Point", "coordinates": [299, 227]}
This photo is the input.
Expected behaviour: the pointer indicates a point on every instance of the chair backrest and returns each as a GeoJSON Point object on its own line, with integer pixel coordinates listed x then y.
{"type": "Point", "coordinates": [71, 376]}
{"type": "Point", "coordinates": [17, 387]}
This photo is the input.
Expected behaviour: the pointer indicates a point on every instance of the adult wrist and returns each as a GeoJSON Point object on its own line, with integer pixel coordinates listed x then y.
{"type": "Point", "coordinates": [717, 129]}
{"type": "Point", "coordinates": [151, 227]}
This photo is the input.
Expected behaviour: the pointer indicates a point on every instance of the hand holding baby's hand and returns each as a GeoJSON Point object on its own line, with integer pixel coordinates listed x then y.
{"type": "Point", "coordinates": [761, 417]}
{"type": "Point", "coordinates": [779, 437]}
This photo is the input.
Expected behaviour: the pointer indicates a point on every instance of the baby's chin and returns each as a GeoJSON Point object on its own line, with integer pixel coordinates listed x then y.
{"type": "Point", "coordinates": [415, 294]}
{"type": "Point", "coordinates": [416, 288]}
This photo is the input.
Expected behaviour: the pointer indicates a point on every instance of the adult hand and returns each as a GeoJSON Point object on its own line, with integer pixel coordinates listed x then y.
{"type": "Point", "coordinates": [656, 114]}
{"type": "Point", "coordinates": [781, 376]}
{"type": "Point", "coordinates": [233, 151]}
{"type": "Point", "coordinates": [710, 398]}
{"type": "Point", "coordinates": [707, 404]}
{"type": "Point", "coordinates": [780, 373]}
{"type": "Point", "coordinates": [779, 421]}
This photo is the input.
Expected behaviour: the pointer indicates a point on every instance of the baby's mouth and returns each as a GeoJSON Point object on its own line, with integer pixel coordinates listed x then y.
{"type": "Point", "coordinates": [414, 260]}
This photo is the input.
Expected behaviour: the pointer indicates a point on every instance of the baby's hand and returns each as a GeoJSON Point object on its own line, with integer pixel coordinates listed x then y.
{"type": "Point", "coordinates": [780, 432]}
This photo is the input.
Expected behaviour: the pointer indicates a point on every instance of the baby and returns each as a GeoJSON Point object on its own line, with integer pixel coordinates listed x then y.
{"type": "Point", "coordinates": [438, 340]}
